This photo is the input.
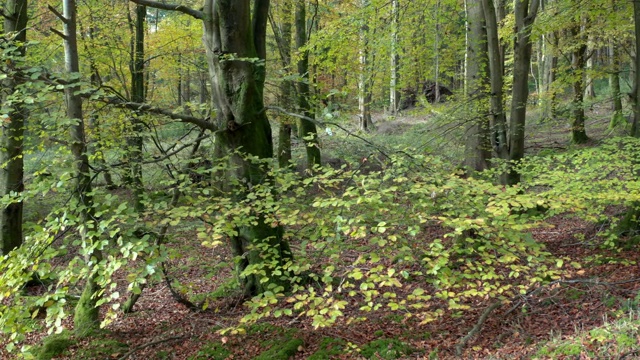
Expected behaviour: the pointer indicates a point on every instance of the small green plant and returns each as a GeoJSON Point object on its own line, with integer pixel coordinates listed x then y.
{"type": "Point", "coordinates": [329, 348]}
{"type": "Point", "coordinates": [54, 345]}
{"type": "Point", "coordinates": [212, 351]}
{"type": "Point", "coordinates": [281, 350]}
{"type": "Point", "coordinates": [387, 349]}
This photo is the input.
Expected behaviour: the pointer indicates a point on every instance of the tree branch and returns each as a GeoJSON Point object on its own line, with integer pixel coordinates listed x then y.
{"type": "Point", "coordinates": [58, 14]}
{"type": "Point", "coordinates": [463, 342]}
{"type": "Point", "coordinates": [172, 7]}
{"type": "Point", "coordinates": [59, 33]}
{"type": "Point", "coordinates": [202, 123]}
{"type": "Point", "coordinates": [140, 347]}
{"type": "Point", "coordinates": [324, 124]}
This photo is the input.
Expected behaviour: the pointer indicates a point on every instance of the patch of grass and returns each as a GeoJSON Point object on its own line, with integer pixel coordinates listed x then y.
{"type": "Point", "coordinates": [102, 347]}
{"type": "Point", "coordinates": [387, 349]}
{"type": "Point", "coordinates": [54, 345]}
{"type": "Point", "coordinates": [329, 347]}
{"type": "Point", "coordinates": [212, 351]}
{"type": "Point", "coordinates": [609, 341]}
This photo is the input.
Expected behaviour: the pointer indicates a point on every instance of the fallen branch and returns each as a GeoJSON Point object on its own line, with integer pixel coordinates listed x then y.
{"type": "Point", "coordinates": [463, 342]}
{"type": "Point", "coordinates": [140, 347]}
{"type": "Point", "coordinates": [587, 281]}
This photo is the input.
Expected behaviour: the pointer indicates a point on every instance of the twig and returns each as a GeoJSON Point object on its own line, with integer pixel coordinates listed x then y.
{"type": "Point", "coordinates": [140, 347]}
{"type": "Point", "coordinates": [325, 123]}
{"type": "Point", "coordinates": [463, 342]}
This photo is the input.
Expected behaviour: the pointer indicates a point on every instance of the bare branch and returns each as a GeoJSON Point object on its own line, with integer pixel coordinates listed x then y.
{"type": "Point", "coordinates": [478, 326]}
{"type": "Point", "coordinates": [156, 342]}
{"type": "Point", "coordinates": [324, 124]}
{"type": "Point", "coordinates": [202, 123]}
{"type": "Point", "coordinates": [58, 14]}
{"type": "Point", "coordinates": [59, 33]}
{"type": "Point", "coordinates": [173, 7]}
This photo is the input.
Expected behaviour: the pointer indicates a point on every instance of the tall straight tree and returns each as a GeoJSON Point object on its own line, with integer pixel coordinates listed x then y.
{"type": "Point", "coordinates": [306, 128]}
{"type": "Point", "coordinates": [364, 92]}
{"type": "Point", "coordinates": [525, 12]}
{"type": "Point", "coordinates": [477, 144]}
{"type": "Point", "coordinates": [235, 44]}
{"type": "Point", "coordinates": [86, 312]}
{"type": "Point", "coordinates": [394, 92]}
{"type": "Point", "coordinates": [11, 153]}
{"type": "Point", "coordinates": [635, 95]}
{"type": "Point", "coordinates": [283, 33]}
{"type": "Point", "coordinates": [138, 95]}
{"type": "Point", "coordinates": [498, 119]}
{"type": "Point", "coordinates": [578, 63]}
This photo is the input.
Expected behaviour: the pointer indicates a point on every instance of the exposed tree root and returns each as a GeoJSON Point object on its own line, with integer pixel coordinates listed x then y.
{"type": "Point", "coordinates": [140, 347]}
{"type": "Point", "coordinates": [463, 342]}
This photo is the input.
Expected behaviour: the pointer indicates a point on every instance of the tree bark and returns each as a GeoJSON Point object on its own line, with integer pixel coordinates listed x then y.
{"type": "Point", "coordinates": [235, 46]}
{"type": "Point", "coordinates": [11, 141]}
{"type": "Point", "coordinates": [283, 34]}
{"type": "Point", "coordinates": [578, 132]}
{"type": "Point", "coordinates": [307, 130]}
{"type": "Point", "coordinates": [364, 92]}
{"type": "Point", "coordinates": [138, 95]}
{"type": "Point", "coordinates": [614, 84]}
{"type": "Point", "coordinates": [86, 316]}
{"type": "Point", "coordinates": [497, 120]}
{"type": "Point", "coordinates": [635, 131]}
{"type": "Point", "coordinates": [477, 144]}
{"type": "Point", "coordinates": [525, 13]}
{"type": "Point", "coordinates": [394, 92]}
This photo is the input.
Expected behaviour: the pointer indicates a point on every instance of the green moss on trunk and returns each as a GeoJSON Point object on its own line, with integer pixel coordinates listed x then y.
{"type": "Point", "coordinates": [87, 315]}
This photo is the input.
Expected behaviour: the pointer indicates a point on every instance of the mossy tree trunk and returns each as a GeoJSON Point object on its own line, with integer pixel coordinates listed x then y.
{"type": "Point", "coordinates": [138, 95]}
{"type": "Point", "coordinates": [86, 312]}
{"type": "Point", "coordinates": [614, 84]}
{"type": "Point", "coordinates": [11, 140]}
{"type": "Point", "coordinates": [630, 224]}
{"type": "Point", "coordinates": [578, 62]}
{"type": "Point", "coordinates": [234, 39]}
{"type": "Point", "coordinates": [283, 35]}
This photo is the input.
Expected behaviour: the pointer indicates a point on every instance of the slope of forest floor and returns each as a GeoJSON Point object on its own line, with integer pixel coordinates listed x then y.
{"type": "Point", "coordinates": [581, 316]}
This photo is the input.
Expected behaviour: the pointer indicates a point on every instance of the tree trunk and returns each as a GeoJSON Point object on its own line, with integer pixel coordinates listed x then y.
{"type": "Point", "coordinates": [233, 41]}
{"type": "Point", "coordinates": [307, 129]}
{"type": "Point", "coordinates": [630, 224]}
{"type": "Point", "coordinates": [86, 312]}
{"type": "Point", "coordinates": [283, 39]}
{"type": "Point", "coordinates": [578, 132]}
{"type": "Point", "coordinates": [134, 141]}
{"type": "Point", "coordinates": [590, 89]}
{"type": "Point", "coordinates": [497, 120]}
{"type": "Point", "coordinates": [635, 96]}
{"type": "Point", "coordinates": [525, 13]}
{"type": "Point", "coordinates": [11, 141]}
{"type": "Point", "coordinates": [364, 92]}
{"type": "Point", "coordinates": [549, 101]}
{"type": "Point", "coordinates": [477, 145]}
{"type": "Point", "coordinates": [614, 84]}
{"type": "Point", "coordinates": [394, 92]}
{"type": "Point", "coordinates": [436, 51]}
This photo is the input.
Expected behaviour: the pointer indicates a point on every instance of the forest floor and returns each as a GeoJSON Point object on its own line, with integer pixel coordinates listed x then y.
{"type": "Point", "coordinates": [607, 288]}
